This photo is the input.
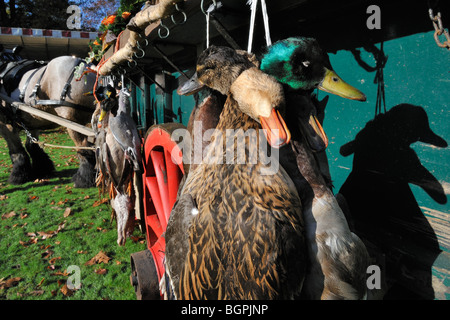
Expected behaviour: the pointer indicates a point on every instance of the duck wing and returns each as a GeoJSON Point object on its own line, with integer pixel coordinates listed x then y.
{"type": "Point", "coordinates": [345, 277]}
{"type": "Point", "coordinates": [125, 133]}
{"type": "Point", "coordinates": [177, 242]}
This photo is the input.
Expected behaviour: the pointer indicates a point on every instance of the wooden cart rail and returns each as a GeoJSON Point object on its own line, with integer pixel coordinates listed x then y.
{"type": "Point", "coordinates": [48, 116]}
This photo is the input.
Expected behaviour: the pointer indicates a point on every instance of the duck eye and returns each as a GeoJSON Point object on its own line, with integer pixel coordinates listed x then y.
{"type": "Point", "coordinates": [306, 63]}
{"type": "Point", "coordinates": [335, 79]}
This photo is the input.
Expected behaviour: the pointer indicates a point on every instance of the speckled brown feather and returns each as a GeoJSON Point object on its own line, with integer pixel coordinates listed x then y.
{"type": "Point", "coordinates": [247, 240]}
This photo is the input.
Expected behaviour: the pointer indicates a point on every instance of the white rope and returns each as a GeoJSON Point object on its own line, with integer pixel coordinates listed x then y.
{"type": "Point", "coordinates": [254, 4]}
{"type": "Point", "coordinates": [252, 24]}
{"type": "Point", "coordinates": [207, 30]}
{"type": "Point", "coordinates": [266, 22]}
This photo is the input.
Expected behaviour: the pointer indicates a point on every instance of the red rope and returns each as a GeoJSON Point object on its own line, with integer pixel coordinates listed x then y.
{"type": "Point", "coordinates": [101, 63]}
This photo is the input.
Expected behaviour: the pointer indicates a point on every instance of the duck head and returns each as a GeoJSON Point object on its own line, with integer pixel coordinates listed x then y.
{"type": "Point", "coordinates": [300, 64]}
{"type": "Point", "coordinates": [108, 99]}
{"type": "Point", "coordinates": [256, 93]}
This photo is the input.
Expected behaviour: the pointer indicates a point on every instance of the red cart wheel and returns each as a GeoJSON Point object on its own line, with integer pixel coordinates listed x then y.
{"type": "Point", "coordinates": [163, 172]}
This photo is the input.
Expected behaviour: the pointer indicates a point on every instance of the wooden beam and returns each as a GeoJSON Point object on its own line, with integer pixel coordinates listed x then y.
{"type": "Point", "coordinates": [137, 27]}
{"type": "Point", "coordinates": [48, 116]}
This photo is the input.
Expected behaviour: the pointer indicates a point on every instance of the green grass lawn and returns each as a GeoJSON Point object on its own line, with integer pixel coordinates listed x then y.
{"type": "Point", "coordinates": [47, 226]}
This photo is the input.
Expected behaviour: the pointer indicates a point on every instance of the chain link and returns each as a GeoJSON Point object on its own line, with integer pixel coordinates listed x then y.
{"type": "Point", "coordinates": [28, 133]}
{"type": "Point", "coordinates": [43, 144]}
{"type": "Point", "coordinates": [439, 29]}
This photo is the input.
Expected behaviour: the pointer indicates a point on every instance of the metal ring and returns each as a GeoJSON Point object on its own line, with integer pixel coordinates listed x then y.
{"type": "Point", "coordinates": [141, 56]}
{"type": "Point", "coordinates": [138, 44]}
{"type": "Point", "coordinates": [202, 8]}
{"type": "Point", "coordinates": [135, 64]}
{"type": "Point", "coordinates": [164, 27]}
{"type": "Point", "coordinates": [182, 12]}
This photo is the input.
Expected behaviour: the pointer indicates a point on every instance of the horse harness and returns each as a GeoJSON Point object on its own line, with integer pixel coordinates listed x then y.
{"type": "Point", "coordinates": [11, 73]}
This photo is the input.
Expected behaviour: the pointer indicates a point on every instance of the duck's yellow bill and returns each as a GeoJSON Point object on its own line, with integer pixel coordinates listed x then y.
{"type": "Point", "coordinates": [332, 83]}
{"type": "Point", "coordinates": [275, 129]}
{"type": "Point", "coordinates": [102, 115]}
{"type": "Point", "coordinates": [318, 129]}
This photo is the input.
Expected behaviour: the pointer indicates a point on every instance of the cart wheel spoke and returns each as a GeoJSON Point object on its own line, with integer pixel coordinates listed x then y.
{"type": "Point", "coordinates": [163, 172]}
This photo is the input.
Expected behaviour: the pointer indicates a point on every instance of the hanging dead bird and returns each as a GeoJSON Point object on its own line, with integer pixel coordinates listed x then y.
{"type": "Point", "coordinates": [119, 157]}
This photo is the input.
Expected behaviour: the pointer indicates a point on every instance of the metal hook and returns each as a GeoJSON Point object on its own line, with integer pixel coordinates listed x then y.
{"type": "Point", "coordinates": [182, 12]}
{"type": "Point", "coordinates": [138, 44]}
{"type": "Point", "coordinates": [163, 26]}
{"type": "Point", "coordinates": [205, 12]}
{"type": "Point", "coordinates": [141, 56]}
{"type": "Point", "coordinates": [130, 66]}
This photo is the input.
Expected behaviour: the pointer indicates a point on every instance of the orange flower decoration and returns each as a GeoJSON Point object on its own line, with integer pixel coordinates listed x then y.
{"type": "Point", "coordinates": [108, 20]}
{"type": "Point", "coordinates": [126, 15]}
{"type": "Point", "coordinates": [96, 43]}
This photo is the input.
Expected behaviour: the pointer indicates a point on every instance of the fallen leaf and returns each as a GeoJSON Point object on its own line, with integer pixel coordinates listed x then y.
{"type": "Point", "coordinates": [40, 283]}
{"type": "Point", "coordinates": [66, 291]}
{"type": "Point", "coordinates": [3, 197]}
{"type": "Point", "coordinates": [99, 258]}
{"type": "Point", "coordinates": [5, 284]}
{"type": "Point", "coordinates": [99, 202]}
{"type": "Point", "coordinates": [26, 243]}
{"type": "Point", "coordinates": [41, 181]}
{"type": "Point", "coordinates": [67, 212]}
{"type": "Point", "coordinates": [8, 215]}
{"type": "Point", "coordinates": [59, 273]}
{"type": "Point", "coordinates": [101, 271]}
{"type": "Point", "coordinates": [47, 254]}
{"type": "Point", "coordinates": [47, 234]}
{"type": "Point", "coordinates": [53, 260]}
{"type": "Point", "coordinates": [31, 198]}
{"type": "Point", "coordinates": [61, 226]}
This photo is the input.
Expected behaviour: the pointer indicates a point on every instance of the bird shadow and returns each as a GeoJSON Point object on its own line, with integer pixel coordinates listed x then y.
{"type": "Point", "coordinates": [383, 209]}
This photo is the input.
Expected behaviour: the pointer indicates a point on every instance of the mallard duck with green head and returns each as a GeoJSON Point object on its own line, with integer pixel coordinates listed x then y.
{"type": "Point", "coordinates": [338, 258]}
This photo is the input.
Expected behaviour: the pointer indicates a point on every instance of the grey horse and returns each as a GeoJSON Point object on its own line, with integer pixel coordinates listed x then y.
{"type": "Point", "coordinates": [78, 107]}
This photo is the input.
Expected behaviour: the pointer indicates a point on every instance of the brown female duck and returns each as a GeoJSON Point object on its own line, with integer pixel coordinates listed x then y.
{"type": "Point", "coordinates": [235, 233]}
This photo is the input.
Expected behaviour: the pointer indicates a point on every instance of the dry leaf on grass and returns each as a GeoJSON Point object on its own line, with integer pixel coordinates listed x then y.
{"type": "Point", "coordinates": [101, 271]}
{"type": "Point", "coordinates": [66, 291]}
{"type": "Point", "coordinates": [5, 284]}
{"type": "Point", "coordinates": [67, 212]}
{"type": "Point", "coordinates": [47, 254]}
{"type": "Point", "coordinates": [99, 202]}
{"type": "Point", "coordinates": [53, 260]}
{"type": "Point", "coordinates": [8, 215]}
{"type": "Point", "coordinates": [99, 258]}
{"type": "Point", "coordinates": [59, 273]}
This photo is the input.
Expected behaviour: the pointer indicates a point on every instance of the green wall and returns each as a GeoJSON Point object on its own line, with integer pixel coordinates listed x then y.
{"type": "Point", "coordinates": [417, 72]}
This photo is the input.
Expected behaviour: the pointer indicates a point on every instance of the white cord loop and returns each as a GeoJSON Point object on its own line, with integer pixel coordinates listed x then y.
{"type": "Point", "coordinates": [254, 4]}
